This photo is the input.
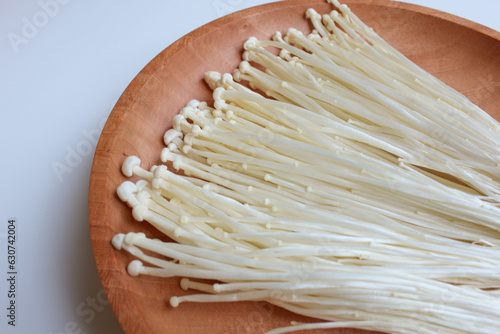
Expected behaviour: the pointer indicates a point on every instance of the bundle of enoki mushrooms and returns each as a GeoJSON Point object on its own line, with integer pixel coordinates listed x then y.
{"type": "Point", "coordinates": [346, 184]}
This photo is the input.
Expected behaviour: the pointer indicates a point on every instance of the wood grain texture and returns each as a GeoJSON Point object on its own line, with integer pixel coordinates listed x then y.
{"type": "Point", "coordinates": [463, 54]}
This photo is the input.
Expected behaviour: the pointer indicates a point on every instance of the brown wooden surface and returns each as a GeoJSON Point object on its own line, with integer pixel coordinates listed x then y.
{"type": "Point", "coordinates": [463, 54]}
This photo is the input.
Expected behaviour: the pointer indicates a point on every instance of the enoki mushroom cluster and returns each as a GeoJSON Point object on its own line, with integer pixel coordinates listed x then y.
{"type": "Point", "coordinates": [337, 180]}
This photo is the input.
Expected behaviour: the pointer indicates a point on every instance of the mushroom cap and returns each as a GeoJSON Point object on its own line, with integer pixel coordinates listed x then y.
{"type": "Point", "coordinates": [129, 164]}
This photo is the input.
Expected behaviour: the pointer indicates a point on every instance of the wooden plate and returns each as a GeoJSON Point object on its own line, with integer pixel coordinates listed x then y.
{"type": "Point", "coordinates": [463, 54]}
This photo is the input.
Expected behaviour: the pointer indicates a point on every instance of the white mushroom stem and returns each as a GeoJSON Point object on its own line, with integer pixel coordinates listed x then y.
{"type": "Point", "coordinates": [132, 166]}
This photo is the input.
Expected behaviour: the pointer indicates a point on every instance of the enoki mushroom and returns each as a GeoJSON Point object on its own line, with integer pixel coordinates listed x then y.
{"type": "Point", "coordinates": [346, 184]}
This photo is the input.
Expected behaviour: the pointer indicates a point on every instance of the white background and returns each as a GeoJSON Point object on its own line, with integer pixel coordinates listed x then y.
{"type": "Point", "coordinates": [63, 65]}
